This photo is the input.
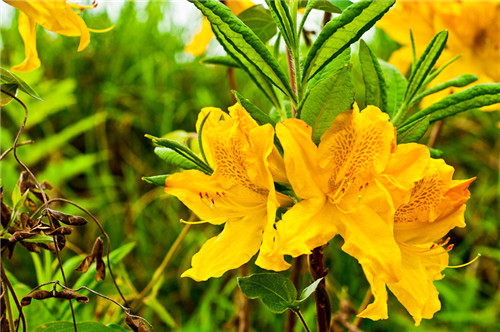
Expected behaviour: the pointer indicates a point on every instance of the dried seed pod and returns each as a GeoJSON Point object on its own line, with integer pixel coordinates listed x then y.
{"type": "Point", "coordinates": [64, 230]}
{"type": "Point", "coordinates": [39, 294]}
{"type": "Point", "coordinates": [136, 324]}
{"type": "Point", "coordinates": [6, 211]}
{"type": "Point", "coordinates": [67, 218]}
{"type": "Point", "coordinates": [71, 294]}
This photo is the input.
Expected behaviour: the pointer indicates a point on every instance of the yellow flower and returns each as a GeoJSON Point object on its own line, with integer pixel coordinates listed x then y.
{"type": "Point", "coordinates": [428, 211]}
{"type": "Point", "coordinates": [198, 44]}
{"type": "Point", "coordinates": [338, 182]}
{"type": "Point", "coordinates": [239, 193]}
{"type": "Point", "coordinates": [474, 33]}
{"type": "Point", "coordinates": [56, 16]}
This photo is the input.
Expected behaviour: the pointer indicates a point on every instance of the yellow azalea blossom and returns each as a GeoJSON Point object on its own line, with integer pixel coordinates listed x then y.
{"type": "Point", "coordinates": [240, 193]}
{"type": "Point", "coordinates": [428, 211]}
{"type": "Point", "coordinates": [474, 33]}
{"type": "Point", "coordinates": [338, 182]}
{"type": "Point", "coordinates": [199, 43]}
{"type": "Point", "coordinates": [55, 15]}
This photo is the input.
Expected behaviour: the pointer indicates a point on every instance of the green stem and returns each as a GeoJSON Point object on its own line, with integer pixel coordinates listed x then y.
{"type": "Point", "coordinates": [302, 321]}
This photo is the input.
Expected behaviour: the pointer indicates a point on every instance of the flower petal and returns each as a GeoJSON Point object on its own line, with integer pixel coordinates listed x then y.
{"type": "Point", "coordinates": [209, 200]}
{"type": "Point", "coordinates": [27, 29]}
{"type": "Point", "coordinates": [368, 235]}
{"type": "Point", "coordinates": [307, 225]}
{"type": "Point", "coordinates": [301, 158]}
{"type": "Point", "coordinates": [237, 243]}
{"type": "Point", "coordinates": [378, 308]}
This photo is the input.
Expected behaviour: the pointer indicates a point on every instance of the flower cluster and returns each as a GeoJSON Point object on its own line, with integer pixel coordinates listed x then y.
{"type": "Point", "coordinates": [390, 203]}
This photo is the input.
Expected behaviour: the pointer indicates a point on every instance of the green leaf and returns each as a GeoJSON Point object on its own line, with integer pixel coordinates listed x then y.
{"type": "Point", "coordinates": [341, 32]}
{"type": "Point", "coordinates": [259, 19]}
{"type": "Point", "coordinates": [458, 82]}
{"type": "Point", "coordinates": [40, 239]}
{"type": "Point", "coordinates": [328, 98]}
{"type": "Point", "coordinates": [435, 153]}
{"type": "Point", "coordinates": [220, 60]}
{"type": "Point", "coordinates": [425, 64]}
{"type": "Point", "coordinates": [276, 291]}
{"type": "Point", "coordinates": [157, 180]}
{"type": "Point", "coordinates": [184, 153]}
{"type": "Point", "coordinates": [281, 15]}
{"type": "Point", "coordinates": [375, 85]}
{"type": "Point", "coordinates": [474, 97]}
{"type": "Point", "coordinates": [331, 6]}
{"type": "Point", "coordinates": [160, 310]}
{"type": "Point", "coordinates": [246, 48]}
{"type": "Point", "coordinates": [396, 85]}
{"type": "Point", "coordinates": [414, 131]}
{"type": "Point", "coordinates": [309, 290]}
{"type": "Point", "coordinates": [256, 113]}
{"type": "Point", "coordinates": [10, 88]}
{"type": "Point", "coordinates": [68, 327]}
{"type": "Point", "coordinates": [9, 77]}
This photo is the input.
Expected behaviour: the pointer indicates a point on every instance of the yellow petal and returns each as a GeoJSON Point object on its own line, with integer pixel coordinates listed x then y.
{"type": "Point", "coordinates": [199, 43]}
{"type": "Point", "coordinates": [212, 116]}
{"type": "Point", "coordinates": [237, 243]}
{"type": "Point", "coordinates": [27, 29]}
{"type": "Point", "coordinates": [378, 308]}
{"type": "Point", "coordinates": [237, 6]}
{"type": "Point", "coordinates": [368, 234]}
{"type": "Point", "coordinates": [301, 158]}
{"type": "Point", "coordinates": [416, 291]}
{"type": "Point", "coordinates": [307, 225]}
{"type": "Point", "coordinates": [208, 199]}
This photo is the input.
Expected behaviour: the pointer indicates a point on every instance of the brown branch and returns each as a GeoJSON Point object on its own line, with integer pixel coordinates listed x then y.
{"type": "Point", "coordinates": [295, 277]}
{"type": "Point", "coordinates": [244, 305]}
{"type": "Point", "coordinates": [323, 308]}
{"type": "Point", "coordinates": [436, 131]}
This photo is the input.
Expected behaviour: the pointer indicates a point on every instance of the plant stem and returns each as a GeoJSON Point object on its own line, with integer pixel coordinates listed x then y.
{"type": "Point", "coordinates": [295, 276]}
{"type": "Point", "coordinates": [323, 313]}
{"type": "Point", "coordinates": [436, 130]}
{"type": "Point", "coordinates": [302, 321]}
{"type": "Point", "coordinates": [232, 83]}
{"type": "Point", "coordinates": [243, 303]}
{"type": "Point", "coordinates": [291, 71]}
{"type": "Point", "coordinates": [368, 296]}
{"type": "Point", "coordinates": [159, 271]}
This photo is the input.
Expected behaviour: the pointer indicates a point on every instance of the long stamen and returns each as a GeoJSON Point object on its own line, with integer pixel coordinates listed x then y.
{"type": "Point", "coordinates": [465, 264]}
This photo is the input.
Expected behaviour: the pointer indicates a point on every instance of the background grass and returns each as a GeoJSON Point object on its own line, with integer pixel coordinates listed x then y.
{"type": "Point", "coordinates": [90, 145]}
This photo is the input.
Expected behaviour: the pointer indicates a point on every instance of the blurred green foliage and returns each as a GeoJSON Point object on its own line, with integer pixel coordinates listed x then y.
{"type": "Point", "coordinates": [90, 144]}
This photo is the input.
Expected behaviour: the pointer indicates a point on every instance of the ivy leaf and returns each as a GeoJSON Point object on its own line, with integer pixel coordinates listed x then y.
{"type": "Point", "coordinates": [259, 19]}
{"type": "Point", "coordinates": [375, 85]}
{"type": "Point", "coordinates": [276, 291]}
{"type": "Point", "coordinates": [341, 32]}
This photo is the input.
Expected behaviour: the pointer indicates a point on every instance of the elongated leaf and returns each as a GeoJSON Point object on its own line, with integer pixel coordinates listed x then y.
{"type": "Point", "coordinates": [157, 180]}
{"type": "Point", "coordinates": [425, 64]}
{"type": "Point", "coordinates": [160, 310]}
{"type": "Point", "coordinates": [220, 60]}
{"type": "Point", "coordinates": [458, 82]}
{"type": "Point", "coordinates": [276, 291]}
{"type": "Point", "coordinates": [326, 100]}
{"type": "Point", "coordinates": [341, 32]}
{"type": "Point", "coordinates": [245, 47]}
{"type": "Point", "coordinates": [375, 85]}
{"type": "Point", "coordinates": [396, 85]}
{"type": "Point", "coordinates": [309, 290]}
{"type": "Point", "coordinates": [174, 158]}
{"type": "Point", "coordinates": [6, 76]}
{"type": "Point", "coordinates": [281, 15]}
{"type": "Point", "coordinates": [256, 113]}
{"type": "Point", "coordinates": [414, 131]}
{"type": "Point", "coordinates": [8, 90]}
{"type": "Point", "coordinates": [259, 19]}
{"type": "Point", "coordinates": [474, 97]}
{"type": "Point", "coordinates": [435, 153]}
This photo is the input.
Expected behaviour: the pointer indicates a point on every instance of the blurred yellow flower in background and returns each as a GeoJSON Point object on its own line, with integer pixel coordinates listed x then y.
{"type": "Point", "coordinates": [58, 16]}
{"type": "Point", "coordinates": [474, 33]}
{"type": "Point", "coordinates": [198, 44]}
